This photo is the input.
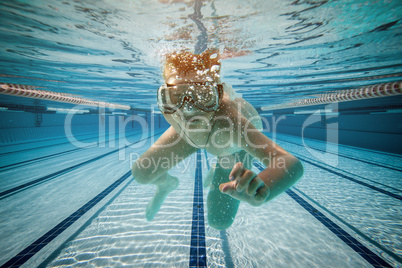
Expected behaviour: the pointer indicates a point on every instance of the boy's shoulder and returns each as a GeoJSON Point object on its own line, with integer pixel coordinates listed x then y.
{"type": "Point", "coordinates": [229, 108]}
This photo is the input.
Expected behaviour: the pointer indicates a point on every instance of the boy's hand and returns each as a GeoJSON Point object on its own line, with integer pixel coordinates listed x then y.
{"type": "Point", "coordinates": [245, 185]}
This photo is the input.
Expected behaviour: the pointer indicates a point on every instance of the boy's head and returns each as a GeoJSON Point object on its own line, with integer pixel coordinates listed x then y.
{"type": "Point", "coordinates": [187, 67]}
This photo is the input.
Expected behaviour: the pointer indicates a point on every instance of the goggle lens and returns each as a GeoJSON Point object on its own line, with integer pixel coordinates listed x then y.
{"type": "Point", "coordinates": [205, 96]}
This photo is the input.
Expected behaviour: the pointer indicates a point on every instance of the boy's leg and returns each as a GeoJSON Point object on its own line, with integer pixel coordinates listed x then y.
{"type": "Point", "coordinates": [222, 208]}
{"type": "Point", "coordinates": [209, 177]}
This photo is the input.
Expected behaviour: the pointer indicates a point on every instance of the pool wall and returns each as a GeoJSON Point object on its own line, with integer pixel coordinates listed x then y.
{"type": "Point", "coordinates": [372, 124]}
{"type": "Point", "coordinates": [34, 121]}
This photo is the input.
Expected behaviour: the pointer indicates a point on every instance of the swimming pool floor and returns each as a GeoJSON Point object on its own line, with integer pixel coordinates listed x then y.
{"type": "Point", "coordinates": [63, 206]}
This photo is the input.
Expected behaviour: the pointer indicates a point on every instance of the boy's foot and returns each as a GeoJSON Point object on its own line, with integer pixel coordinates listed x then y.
{"type": "Point", "coordinates": [161, 193]}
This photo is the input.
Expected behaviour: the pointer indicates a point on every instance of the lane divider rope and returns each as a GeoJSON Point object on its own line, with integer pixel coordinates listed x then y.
{"type": "Point", "coordinates": [29, 91]}
{"type": "Point", "coordinates": [368, 92]}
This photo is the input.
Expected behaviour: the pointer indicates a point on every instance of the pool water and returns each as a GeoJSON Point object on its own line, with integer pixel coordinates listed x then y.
{"type": "Point", "coordinates": [67, 196]}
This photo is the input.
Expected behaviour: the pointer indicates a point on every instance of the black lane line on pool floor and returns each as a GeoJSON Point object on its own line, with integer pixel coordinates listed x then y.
{"type": "Point", "coordinates": [330, 169]}
{"type": "Point", "coordinates": [49, 145]}
{"type": "Point", "coordinates": [353, 158]}
{"type": "Point", "coordinates": [94, 136]}
{"type": "Point", "coordinates": [349, 225]}
{"type": "Point", "coordinates": [56, 174]}
{"type": "Point", "coordinates": [23, 163]}
{"type": "Point", "coordinates": [198, 253]}
{"type": "Point", "coordinates": [26, 162]}
{"type": "Point", "coordinates": [321, 166]}
{"type": "Point", "coordinates": [358, 247]}
{"type": "Point", "coordinates": [352, 147]}
{"type": "Point", "coordinates": [36, 246]}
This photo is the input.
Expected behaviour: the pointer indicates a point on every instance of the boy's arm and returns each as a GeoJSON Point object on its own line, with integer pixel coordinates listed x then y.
{"type": "Point", "coordinates": [282, 169]}
{"type": "Point", "coordinates": [169, 150]}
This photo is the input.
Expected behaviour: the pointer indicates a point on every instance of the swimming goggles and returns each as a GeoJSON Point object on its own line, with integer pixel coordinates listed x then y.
{"type": "Point", "coordinates": [206, 96]}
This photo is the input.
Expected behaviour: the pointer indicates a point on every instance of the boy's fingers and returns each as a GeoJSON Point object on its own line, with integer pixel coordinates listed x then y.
{"type": "Point", "coordinates": [237, 170]}
{"type": "Point", "coordinates": [245, 179]}
{"type": "Point", "coordinates": [262, 193]}
{"type": "Point", "coordinates": [229, 188]}
{"type": "Point", "coordinates": [254, 185]}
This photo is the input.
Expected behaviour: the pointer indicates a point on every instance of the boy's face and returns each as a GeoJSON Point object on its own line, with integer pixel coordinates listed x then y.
{"type": "Point", "coordinates": [188, 116]}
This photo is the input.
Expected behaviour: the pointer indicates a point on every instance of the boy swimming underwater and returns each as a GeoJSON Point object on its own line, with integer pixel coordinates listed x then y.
{"type": "Point", "coordinates": [205, 113]}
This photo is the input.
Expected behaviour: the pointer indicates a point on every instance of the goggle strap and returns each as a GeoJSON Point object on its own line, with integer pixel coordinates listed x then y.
{"type": "Point", "coordinates": [220, 90]}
